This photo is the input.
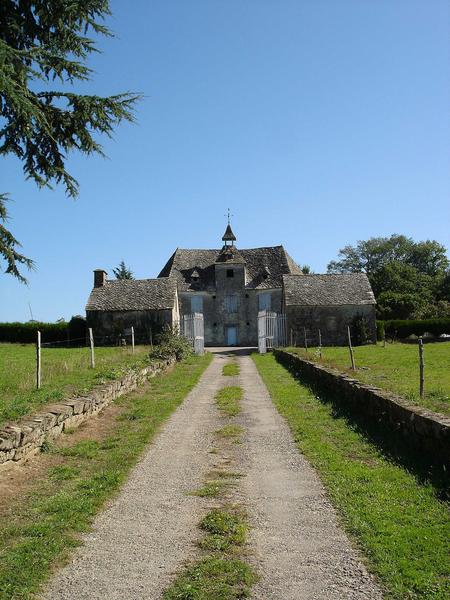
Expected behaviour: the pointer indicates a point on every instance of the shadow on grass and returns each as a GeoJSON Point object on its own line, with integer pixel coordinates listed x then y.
{"type": "Point", "coordinates": [392, 445]}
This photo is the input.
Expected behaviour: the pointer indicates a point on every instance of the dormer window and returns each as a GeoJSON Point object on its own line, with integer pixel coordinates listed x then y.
{"type": "Point", "coordinates": [230, 273]}
{"type": "Point", "coordinates": [265, 272]}
{"type": "Point", "coordinates": [195, 276]}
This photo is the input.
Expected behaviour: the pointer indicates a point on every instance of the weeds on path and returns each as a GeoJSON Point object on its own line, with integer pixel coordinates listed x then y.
{"type": "Point", "coordinates": [221, 574]}
{"type": "Point", "coordinates": [228, 400]}
{"type": "Point", "coordinates": [231, 369]}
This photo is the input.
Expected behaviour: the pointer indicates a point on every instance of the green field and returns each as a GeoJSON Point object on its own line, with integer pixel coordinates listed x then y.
{"type": "Point", "coordinates": [395, 368]}
{"type": "Point", "coordinates": [398, 520]}
{"type": "Point", "coordinates": [65, 372]}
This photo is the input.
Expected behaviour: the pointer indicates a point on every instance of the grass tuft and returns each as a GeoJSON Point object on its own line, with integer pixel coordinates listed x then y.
{"type": "Point", "coordinates": [211, 489]}
{"type": "Point", "coordinates": [230, 431]}
{"type": "Point", "coordinates": [231, 369]}
{"type": "Point", "coordinates": [213, 578]}
{"type": "Point", "coordinates": [228, 400]}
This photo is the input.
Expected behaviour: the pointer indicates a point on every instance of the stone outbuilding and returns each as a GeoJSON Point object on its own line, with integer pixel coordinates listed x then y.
{"type": "Point", "coordinates": [329, 304]}
{"type": "Point", "coordinates": [230, 286]}
{"type": "Point", "coordinates": [115, 306]}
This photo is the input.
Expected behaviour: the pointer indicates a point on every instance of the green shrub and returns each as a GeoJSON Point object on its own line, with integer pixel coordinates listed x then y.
{"type": "Point", "coordinates": [169, 344]}
{"type": "Point", "coordinates": [404, 328]}
{"type": "Point", "coordinates": [380, 331]}
{"type": "Point", "coordinates": [360, 330]}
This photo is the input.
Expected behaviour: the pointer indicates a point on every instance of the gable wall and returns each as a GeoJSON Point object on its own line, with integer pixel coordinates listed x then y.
{"type": "Point", "coordinates": [331, 320]}
{"type": "Point", "coordinates": [111, 324]}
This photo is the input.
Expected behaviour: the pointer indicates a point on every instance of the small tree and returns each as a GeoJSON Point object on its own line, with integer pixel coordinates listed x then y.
{"type": "Point", "coordinates": [123, 272]}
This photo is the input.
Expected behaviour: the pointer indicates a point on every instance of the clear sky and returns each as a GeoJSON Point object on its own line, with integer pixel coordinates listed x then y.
{"type": "Point", "coordinates": [318, 122]}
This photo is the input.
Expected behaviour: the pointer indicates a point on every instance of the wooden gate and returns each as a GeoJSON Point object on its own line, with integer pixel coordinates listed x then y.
{"type": "Point", "coordinates": [271, 330]}
{"type": "Point", "coordinates": [192, 329]}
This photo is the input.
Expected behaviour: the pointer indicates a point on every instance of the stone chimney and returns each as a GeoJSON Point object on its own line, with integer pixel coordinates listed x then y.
{"type": "Point", "coordinates": [99, 277]}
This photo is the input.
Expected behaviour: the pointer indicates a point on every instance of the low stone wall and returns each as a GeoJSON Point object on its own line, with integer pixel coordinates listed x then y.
{"type": "Point", "coordinates": [19, 441]}
{"type": "Point", "coordinates": [427, 431]}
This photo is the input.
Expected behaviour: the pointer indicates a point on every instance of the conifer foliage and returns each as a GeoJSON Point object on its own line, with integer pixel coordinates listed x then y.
{"type": "Point", "coordinates": [123, 272]}
{"type": "Point", "coordinates": [43, 41]}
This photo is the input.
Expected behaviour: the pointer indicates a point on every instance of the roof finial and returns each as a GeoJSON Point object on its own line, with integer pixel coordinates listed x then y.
{"type": "Point", "coordinates": [228, 216]}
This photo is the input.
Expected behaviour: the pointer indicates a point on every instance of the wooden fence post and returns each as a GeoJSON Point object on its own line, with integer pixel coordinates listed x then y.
{"type": "Point", "coordinates": [306, 341]}
{"type": "Point", "coordinates": [320, 344]}
{"type": "Point", "coordinates": [351, 348]}
{"type": "Point", "coordinates": [151, 338]}
{"type": "Point", "coordinates": [132, 339]}
{"type": "Point", "coordinates": [292, 338]}
{"type": "Point", "coordinates": [38, 360]}
{"type": "Point", "coordinates": [91, 343]}
{"type": "Point", "coordinates": [421, 367]}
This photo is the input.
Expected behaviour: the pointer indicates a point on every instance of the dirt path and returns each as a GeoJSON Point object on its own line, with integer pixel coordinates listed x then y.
{"type": "Point", "coordinates": [300, 550]}
{"type": "Point", "coordinates": [148, 532]}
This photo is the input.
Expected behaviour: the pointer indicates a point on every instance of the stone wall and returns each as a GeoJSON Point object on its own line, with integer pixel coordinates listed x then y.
{"type": "Point", "coordinates": [111, 324]}
{"type": "Point", "coordinates": [19, 441]}
{"type": "Point", "coordinates": [331, 320]}
{"type": "Point", "coordinates": [428, 432]}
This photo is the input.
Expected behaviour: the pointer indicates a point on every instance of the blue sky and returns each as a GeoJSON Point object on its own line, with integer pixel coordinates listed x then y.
{"type": "Point", "coordinates": [317, 122]}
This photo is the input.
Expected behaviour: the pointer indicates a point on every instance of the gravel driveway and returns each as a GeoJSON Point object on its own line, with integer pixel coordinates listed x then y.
{"type": "Point", "coordinates": [149, 531]}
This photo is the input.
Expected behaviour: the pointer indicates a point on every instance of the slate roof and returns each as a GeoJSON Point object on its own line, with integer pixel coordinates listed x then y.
{"type": "Point", "coordinates": [265, 267]}
{"type": "Point", "coordinates": [229, 235]}
{"type": "Point", "coordinates": [327, 290]}
{"type": "Point", "coordinates": [134, 294]}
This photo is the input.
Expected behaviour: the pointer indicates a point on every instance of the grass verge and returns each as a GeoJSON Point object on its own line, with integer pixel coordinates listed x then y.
{"type": "Point", "coordinates": [231, 369]}
{"type": "Point", "coordinates": [402, 527]}
{"type": "Point", "coordinates": [40, 530]}
{"type": "Point", "coordinates": [228, 400]}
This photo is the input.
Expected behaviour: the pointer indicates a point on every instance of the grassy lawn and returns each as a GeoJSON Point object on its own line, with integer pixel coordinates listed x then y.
{"type": "Point", "coordinates": [396, 368]}
{"type": "Point", "coordinates": [400, 524]}
{"type": "Point", "coordinates": [65, 372]}
{"type": "Point", "coordinates": [38, 532]}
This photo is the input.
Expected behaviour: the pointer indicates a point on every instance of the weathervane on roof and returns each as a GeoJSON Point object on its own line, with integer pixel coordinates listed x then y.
{"type": "Point", "coordinates": [228, 216]}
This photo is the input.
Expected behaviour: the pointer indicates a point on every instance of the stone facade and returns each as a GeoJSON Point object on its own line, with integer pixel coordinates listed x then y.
{"type": "Point", "coordinates": [229, 286]}
{"type": "Point", "coordinates": [332, 321]}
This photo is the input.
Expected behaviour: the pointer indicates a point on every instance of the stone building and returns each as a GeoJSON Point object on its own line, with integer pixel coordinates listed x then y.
{"type": "Point", "coordinates": [229, 286]}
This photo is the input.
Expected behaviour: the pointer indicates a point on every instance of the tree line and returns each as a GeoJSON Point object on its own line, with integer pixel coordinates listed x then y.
{"type": "Point", "coordinates": [410, 280]}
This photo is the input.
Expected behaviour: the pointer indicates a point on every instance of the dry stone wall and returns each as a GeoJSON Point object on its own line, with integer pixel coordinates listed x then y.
{"type": "Point", "coordinates": [427, 431]}
{"type": "Point", "coordinates": [19, 441]}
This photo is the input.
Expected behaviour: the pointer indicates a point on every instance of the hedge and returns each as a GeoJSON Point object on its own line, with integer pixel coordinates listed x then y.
{"type": "Point", "coordinates": [380, 331]}
{"type": "Point", "coordinates": [404, 328]}
{"type": "Point", "coordinates": [25, 333]}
